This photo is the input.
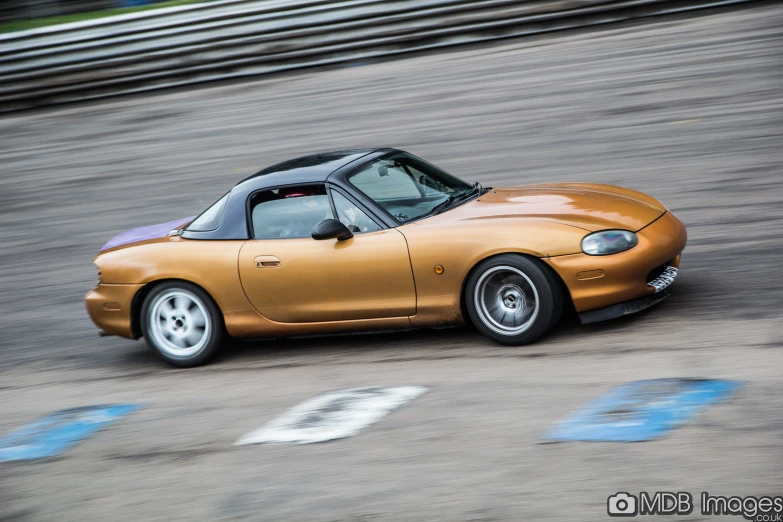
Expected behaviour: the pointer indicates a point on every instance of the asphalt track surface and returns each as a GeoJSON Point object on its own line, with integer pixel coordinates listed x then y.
{"type": "Point", "coordinates": [689, 110]}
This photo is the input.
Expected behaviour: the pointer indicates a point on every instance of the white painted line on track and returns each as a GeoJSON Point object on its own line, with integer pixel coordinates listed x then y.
{"type": "Point", "coordinates": [333, 415]}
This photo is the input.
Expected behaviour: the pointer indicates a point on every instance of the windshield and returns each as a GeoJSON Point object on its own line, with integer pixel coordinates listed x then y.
{"type": "Point", "coordinates": [409, 188]}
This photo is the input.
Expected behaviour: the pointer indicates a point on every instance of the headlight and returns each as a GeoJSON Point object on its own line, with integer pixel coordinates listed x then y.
{"type": "Point", "coordinates": [608, 242]}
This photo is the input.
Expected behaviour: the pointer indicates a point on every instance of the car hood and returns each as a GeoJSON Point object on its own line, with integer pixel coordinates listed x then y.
{"type": "Point", "coordinates": [588, 206]}
{"type": "Point", "coordinates": [145, 233]}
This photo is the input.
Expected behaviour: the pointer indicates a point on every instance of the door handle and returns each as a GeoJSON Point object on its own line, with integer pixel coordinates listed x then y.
{"type": "Point", "coordinates": [267, 262]}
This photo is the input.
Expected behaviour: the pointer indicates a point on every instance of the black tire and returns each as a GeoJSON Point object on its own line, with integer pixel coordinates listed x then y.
{"type": "Point", "coordinates": [508, 289]}
{"type": "Point", "coordinates": [180, 309]}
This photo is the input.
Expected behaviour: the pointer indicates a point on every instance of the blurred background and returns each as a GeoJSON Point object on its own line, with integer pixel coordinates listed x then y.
{"type": "Point", "coordinates": [37, 13]}
{"type": "Point", "coordinates": [119, 114]}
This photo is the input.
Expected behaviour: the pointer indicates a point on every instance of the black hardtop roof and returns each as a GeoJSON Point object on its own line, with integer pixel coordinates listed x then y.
{"type": "Point", "coordinates": [314, 168]}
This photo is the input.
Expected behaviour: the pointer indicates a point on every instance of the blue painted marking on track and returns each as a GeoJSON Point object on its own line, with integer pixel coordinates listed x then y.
{"type": "Point", "coordinates": [54, 433]}
{"type": "Point", "coordinates": [641, 410]}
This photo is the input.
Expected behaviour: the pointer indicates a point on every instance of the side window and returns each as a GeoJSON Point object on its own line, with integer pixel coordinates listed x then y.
{"type": "Point", "coordinates": [385, 180]}
{"type": "Point", "coordinates": [352, 216]}
{"type": "Point", "coordinates": [210, 218]}
{"type": "Point", "coordinates": [289, 212]}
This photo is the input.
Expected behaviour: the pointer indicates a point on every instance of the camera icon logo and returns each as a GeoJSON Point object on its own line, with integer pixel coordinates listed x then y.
{"type": "Point", "coordinates": [622, 504]}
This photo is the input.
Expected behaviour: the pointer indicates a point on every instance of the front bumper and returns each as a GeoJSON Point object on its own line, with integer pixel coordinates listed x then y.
{"type": "Point", "coordinates": [621, 309]}
{"type": "Point", "coordinates": [110, 306]}
{"type": "Point", "coordinates": [601, 281]}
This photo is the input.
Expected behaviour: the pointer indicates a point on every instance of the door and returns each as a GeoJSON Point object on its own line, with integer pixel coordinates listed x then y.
{"type": "Point", "coordinates": [290, 277]}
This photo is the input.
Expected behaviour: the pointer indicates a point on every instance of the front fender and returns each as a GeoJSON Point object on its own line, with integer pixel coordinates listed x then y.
{"type": "Point", "coordinates": [460, 245]}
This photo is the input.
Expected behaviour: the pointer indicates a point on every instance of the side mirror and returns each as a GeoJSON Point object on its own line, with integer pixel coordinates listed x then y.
{"type": "Point", "coordinates": [331, 229]}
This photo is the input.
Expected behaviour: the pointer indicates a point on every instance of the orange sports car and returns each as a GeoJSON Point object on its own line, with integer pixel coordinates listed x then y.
{"type": "Point", "coordinates": [382, 240]}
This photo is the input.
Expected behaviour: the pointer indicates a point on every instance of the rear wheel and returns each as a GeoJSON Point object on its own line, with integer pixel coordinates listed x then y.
{"type": "Point", "coordinates": [513, 299]}
{"type": "Point", "coordinates": [181, 324]}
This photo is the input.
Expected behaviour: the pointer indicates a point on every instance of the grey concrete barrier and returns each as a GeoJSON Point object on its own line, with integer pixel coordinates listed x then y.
{"type": "Point", "coordinates": [232, 39]}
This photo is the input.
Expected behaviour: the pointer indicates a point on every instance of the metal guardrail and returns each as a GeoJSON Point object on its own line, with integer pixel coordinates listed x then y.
{"type": "Point", "coordinates": [232, 39]}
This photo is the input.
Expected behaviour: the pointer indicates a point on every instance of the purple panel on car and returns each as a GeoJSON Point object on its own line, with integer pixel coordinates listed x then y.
{"type": "Point", "coordinates": [144, 233]}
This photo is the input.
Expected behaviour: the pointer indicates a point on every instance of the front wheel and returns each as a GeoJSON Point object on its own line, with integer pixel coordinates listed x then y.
{"type": "Point", "coordinates": [181, 324]}
{"type": "Point", "coordinates": [512, 299]}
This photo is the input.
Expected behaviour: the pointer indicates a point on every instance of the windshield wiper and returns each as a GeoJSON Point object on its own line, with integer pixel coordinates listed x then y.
{"type": "Point", "coordinates": [440, 207]}
{"type": "Point", "coordinates": [475, 188]}
{"type": "Point", "coordinates": [443, 205]}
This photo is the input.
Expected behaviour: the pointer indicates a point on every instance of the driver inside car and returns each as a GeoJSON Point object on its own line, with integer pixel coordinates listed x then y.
{"type": "Point", "coordinates": [309, 210]}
